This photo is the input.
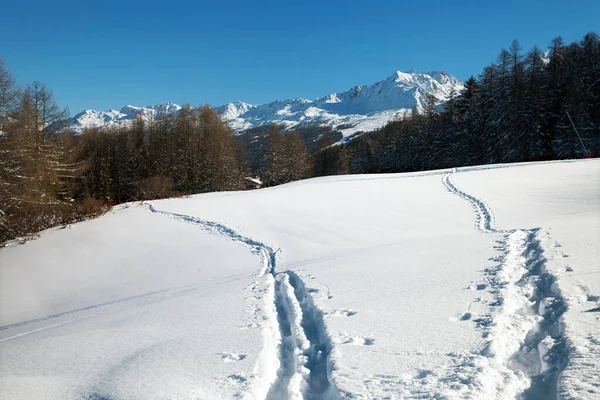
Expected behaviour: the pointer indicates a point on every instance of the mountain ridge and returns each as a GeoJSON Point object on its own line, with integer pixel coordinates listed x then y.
{"type": "Point", "coordinates": [359, 108]}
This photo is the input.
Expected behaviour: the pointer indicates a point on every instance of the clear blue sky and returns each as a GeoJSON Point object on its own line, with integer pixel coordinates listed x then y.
{"type": "Point", "coordinates": [106, 54]}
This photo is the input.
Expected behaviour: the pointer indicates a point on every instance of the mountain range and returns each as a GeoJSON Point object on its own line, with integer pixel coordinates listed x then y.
{"type": "Point", "coordinates": [361, 108]}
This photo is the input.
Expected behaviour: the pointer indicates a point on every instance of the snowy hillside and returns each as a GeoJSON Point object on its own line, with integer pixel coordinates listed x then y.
{"type": "Point", "coordinates": [361, 108]}
{"type": "Point", "coordinates": [476, 283]}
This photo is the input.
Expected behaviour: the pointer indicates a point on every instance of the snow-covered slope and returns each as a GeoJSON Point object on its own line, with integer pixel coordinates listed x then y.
{"type": "Point", "coordinates": [361, 108]}
{"type": "Point", "coordinates": [480, 283]}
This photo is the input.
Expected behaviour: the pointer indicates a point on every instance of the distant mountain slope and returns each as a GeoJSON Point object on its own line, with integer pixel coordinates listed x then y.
{"type": "Point", "coordinates": [94, 119]}
{"type": "Point", "coordinates": [361, 108]}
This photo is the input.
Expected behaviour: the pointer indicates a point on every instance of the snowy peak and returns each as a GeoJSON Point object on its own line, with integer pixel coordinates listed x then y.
{"type": "Point", "coordinates": [234, 110]}
{"type": "Point", "coordinates": [400, 76]}
{"type": "Point", "coordinates": [155, 110]}
{"type": "Point", "coordinates": [438, 83]}
{"type": "Point", "coordinates": [331, 98]}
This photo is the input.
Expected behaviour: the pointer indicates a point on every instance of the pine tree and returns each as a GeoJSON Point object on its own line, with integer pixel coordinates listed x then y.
{"type": "Point", "coordinates": [362, 159]}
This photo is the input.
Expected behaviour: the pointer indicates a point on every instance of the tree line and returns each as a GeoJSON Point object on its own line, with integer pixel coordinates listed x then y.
{"type": "Point", "coordinates": [191, 152]}
{"type": "Point", "coordinates": [52, 176]}
{"type": "Point", "coordinates": [523, 107]}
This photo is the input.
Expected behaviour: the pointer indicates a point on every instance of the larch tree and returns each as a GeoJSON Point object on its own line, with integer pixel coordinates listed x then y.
{"type": "Point", "coordinates": [8, 94]}
{"type": "Point", "coordinates": [32, 193]}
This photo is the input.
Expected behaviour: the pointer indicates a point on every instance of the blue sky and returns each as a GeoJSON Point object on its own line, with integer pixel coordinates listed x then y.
{"type": "Point", "coordinates": [107, 54]}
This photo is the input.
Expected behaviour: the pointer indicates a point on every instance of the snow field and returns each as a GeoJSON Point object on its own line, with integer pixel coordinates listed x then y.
{"type": "Point", "coordinates": [477, 283]}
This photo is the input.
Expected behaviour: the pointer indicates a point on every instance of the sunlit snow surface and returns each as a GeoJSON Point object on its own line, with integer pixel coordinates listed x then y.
{"type": "Point", "coordinates": [479, 283]}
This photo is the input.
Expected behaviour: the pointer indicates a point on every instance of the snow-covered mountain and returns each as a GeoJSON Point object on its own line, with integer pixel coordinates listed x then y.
{"type": "Point", "coordinates": [361, 108]}
{"type": "Point", "coordinates": [93, 118]}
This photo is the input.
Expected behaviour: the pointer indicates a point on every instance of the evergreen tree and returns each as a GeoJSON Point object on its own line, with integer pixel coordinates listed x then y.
{"type": "Point", "coordinates": [362, 158]}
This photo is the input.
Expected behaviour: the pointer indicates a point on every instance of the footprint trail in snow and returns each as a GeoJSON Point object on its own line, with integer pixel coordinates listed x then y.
{"type": "Point", "coordinates": [526, 348]}
{"type": "Point", "coordinates": [295, 361]}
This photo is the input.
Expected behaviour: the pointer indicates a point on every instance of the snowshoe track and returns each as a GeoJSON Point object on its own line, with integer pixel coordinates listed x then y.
{"type": "Point", "coordinates": [527, 347]}
{"type": "Point", "coordinates": [303, 344]}
{"type": "Point", "coordinates": [485, 217]}
{"type": "Point", "coordinates": [525, 332]}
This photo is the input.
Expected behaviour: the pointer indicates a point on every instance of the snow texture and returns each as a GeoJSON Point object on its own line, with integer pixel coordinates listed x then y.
{"type": "Point", "coordinates": [473, 283]}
